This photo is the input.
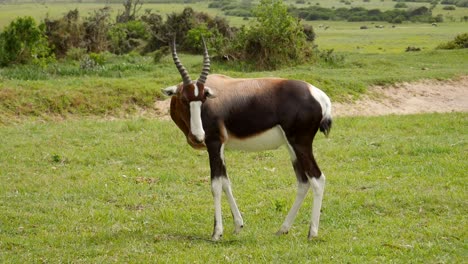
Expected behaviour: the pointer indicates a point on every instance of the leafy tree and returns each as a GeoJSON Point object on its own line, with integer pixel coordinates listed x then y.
{"type": "Point", "coordinates": [22, 42]}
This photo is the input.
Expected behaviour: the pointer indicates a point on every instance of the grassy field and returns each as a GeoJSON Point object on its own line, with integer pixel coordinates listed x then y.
{"type": "Point", "coordinates": [86, 178]}
{"type": "Point", "coordinates": [131, 191]}
{"type": "Point", "coordinates": [56, 10]}
{"type": "Point", "coordinates": [348, 37]}
{"type": "Point", "coordinates": [127, 84]}
{"type": "Point", "coordinates": [339, 35]}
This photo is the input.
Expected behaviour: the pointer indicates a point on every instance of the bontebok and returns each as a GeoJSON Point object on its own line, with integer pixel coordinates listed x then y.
{"type": "Point", "coordinates": [217, 112]}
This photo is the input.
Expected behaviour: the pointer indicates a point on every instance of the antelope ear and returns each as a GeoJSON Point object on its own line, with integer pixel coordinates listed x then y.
{"type": "Point", "coordinates": [209, 93]}
{"type": "Point", "coordinates": [169, 91]}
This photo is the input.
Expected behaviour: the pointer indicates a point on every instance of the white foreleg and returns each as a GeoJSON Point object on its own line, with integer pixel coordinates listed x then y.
{"type": "Point", "coordinates": [238, 221]}
{"type": "Point", "coordinates": [216, 189]}
{"type": "Point", "coordinates": [302, 189]}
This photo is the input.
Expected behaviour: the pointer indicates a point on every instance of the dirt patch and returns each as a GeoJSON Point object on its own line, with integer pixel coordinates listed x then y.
{"type": "Point", "coordinates": [426, 96]}
{"type": "Point", "coordinates": [162, 109]}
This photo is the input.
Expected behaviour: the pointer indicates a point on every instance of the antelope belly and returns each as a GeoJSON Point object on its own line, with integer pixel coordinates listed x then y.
{"type": "Point", "coordinates": [269, 139]}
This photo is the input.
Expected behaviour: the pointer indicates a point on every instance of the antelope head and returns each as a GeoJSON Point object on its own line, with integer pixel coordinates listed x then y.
{"type": "Point", "coordinates": [188, 98]}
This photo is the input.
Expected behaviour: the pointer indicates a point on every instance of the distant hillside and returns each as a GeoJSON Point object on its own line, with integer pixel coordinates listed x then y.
{"type": "Point", "coordinates": [94, 1]}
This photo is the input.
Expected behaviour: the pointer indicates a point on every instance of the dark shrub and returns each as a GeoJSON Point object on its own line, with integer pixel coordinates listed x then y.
{"type": "Point", "coordinates": [125, 37]}
{"type": "Point", "coordinates": [400, 5]}
{"type": "Point", "coordinates": [96, 30]}
{"type": "Point", "coordinates": [216, 30]}
{"type": "Point", "coordinates": [65, 33]}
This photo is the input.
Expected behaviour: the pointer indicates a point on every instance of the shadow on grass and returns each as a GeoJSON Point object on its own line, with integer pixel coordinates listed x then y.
{"type": "Point", "coordinates": [192, 238]}
{"type": "Point", "coordinates": [161, 238]}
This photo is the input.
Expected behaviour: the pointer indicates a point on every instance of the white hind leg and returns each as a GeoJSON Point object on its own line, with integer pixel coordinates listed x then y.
{"type": "Point", "coordinates": [318, 187]}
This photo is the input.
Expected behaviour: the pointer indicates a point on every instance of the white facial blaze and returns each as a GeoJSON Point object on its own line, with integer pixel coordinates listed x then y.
{"type": "Point", "coordinates": [196, 126]}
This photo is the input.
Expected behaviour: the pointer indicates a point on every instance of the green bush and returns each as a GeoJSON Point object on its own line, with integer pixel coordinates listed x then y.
{"type": "Point", "coordinates": [99, 58]}
{"type": "Point", "coordinates": [76, 53]}
{"type": "Point", "coordinates": [449, 8]}
{"type": "Point", "coordinates": [460, 42]}
{"type": "Point", "coordinates": [118, 39]}
{"type": "Point", "coordinates": [400, 5]}
{"type": "Point", "coordinates": [125, 37]}
{"type": "Point", "coordinates": [23, 42]}
{"type": "Point", "coordinates": [214, 39]}
{"type": "Point", "coordinates": [160, 54]}
{"type": "Point", "coordinates": [309, 32]}
{"type": "Point", "coordinates": [88, 63]}
{"type": "Point", "coordinates": [276, 39]}
{"type": "Point", "coordinates": [328, 56]}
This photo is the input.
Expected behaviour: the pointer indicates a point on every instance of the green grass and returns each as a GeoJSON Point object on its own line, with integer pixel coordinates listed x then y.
{"type": "Point", "coordinates": [56, 10]}
{"type": "Point", "coordinates": [126, 84]}
{"type": "Point", "coordinates": [133, 191]}
{"type": "Point", "coordinates": [90, 190]}
{"type": "Point", "coordinates": [348, 37]}
{"type": "Point", "coordinates": [39, 11]}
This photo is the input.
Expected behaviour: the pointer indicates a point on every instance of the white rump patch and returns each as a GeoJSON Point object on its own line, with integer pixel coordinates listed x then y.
{"type": "Point", "coordinates": [323, 100]}
{"type": "Point", "coordinates": [269, 139]}
{"type": "Point", "coordinates": [196, 126]}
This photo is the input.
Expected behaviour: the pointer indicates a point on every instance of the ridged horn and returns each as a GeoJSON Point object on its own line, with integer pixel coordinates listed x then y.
{"type": "Point", "coordinates": [183, 72]}
{"type": "Point", "coordinates": [206, 64]}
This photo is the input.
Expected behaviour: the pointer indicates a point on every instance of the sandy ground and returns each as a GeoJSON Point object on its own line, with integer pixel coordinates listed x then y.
{"type": "Point", "coordinates": [427, 96]}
